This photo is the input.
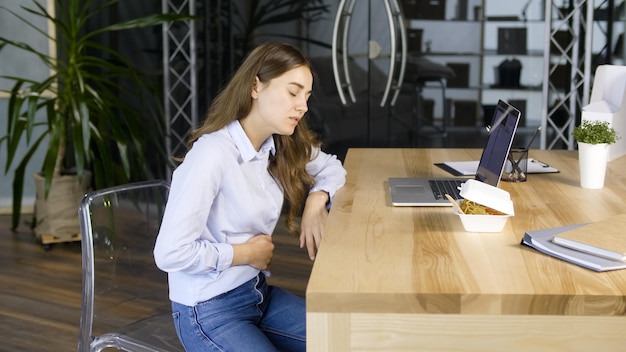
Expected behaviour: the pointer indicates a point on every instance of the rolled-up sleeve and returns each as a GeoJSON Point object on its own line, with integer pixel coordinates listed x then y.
{"type": "Point", "coordinates": [184, 242]}
{"type": "Point", "coordinates": [328, 172]}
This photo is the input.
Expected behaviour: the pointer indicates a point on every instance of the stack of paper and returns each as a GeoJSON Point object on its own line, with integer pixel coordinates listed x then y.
{"type": "Point", "coordinates": [604, 238]}
{"type": "Point", "coordinates": [599, 246]}
{"type": "Point", "coordinates": [468, 168]}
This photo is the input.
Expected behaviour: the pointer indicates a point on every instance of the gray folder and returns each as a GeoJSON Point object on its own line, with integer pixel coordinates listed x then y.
{"type": "Point", "coordinates": [541, 240]}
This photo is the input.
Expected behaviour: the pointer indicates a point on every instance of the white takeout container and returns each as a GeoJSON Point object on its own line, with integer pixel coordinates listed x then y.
{"type": "Point", "coordinates": [488, 196]}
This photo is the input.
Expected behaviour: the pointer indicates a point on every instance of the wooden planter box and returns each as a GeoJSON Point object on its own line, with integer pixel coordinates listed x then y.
{"type": "Point", "coordinates": [56, 218]}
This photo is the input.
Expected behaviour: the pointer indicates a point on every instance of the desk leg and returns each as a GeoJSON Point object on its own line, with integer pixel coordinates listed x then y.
{"type": "Point", "coordinates": [328, 332]}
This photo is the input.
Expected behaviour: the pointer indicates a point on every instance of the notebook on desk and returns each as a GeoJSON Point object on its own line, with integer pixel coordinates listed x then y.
{"type": "Point", "coordinates": [430, 191]}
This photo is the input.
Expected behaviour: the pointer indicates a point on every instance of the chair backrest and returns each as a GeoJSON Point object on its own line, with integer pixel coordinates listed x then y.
{"type": "Point", "coordinates": [609, 85]}
{"type": "Point", "coordinates": [125, 296]}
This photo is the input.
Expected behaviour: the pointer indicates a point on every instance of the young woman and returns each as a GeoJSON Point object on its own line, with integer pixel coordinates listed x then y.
{"type": "Point", "coordinates": [252, 159]}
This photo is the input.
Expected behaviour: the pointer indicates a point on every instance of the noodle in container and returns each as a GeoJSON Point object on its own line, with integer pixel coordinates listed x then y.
{"type": "Point", "coordinates": [487, 208]}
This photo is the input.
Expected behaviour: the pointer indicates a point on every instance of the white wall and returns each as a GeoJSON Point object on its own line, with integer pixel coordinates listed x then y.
{"type": "Point", "coordinates": [13, 62]}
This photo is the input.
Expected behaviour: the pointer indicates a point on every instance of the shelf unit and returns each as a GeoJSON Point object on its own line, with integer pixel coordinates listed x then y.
{"type": "Point", "coordinates": [459, 22]}
{"type": "Point", "coordinates": [562, 38]}
{"type": "Point", "coordinates": [512, 41]}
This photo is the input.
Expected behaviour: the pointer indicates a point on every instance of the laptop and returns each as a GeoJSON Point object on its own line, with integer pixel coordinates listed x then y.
{"type": "Point", "coordinates": [430, 191]}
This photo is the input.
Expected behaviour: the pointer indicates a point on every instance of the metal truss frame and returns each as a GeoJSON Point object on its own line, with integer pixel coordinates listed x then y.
{"type": "Point", "coordinates": [577, 20]}
{"type": "Point", "coordinates": [180, 82]}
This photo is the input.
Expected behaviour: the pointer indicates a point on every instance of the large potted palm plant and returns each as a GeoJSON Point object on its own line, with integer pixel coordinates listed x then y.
{"type": "Point", "coordinates": [89, 114]}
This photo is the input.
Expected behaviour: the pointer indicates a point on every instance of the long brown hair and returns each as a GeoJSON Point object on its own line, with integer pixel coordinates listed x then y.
{"type": "Point", "coordinates": [234, 102]}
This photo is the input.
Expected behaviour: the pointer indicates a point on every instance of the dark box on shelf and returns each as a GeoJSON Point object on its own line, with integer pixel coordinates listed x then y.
{"type": "Point", "coordinates": [461, 10]}
{"type": "Point", "coordinates": [512, 41]}
{"type": "Point", "coordinates": [414, 40]}
{"type": "Point", "coordinates": [409, 8]}
{"type": "Point", "coordinates": [507, 74]}
{"type": "Point", "coordinates": [465, 113]}
{"type": "Point", "coordinates": [424, 9]}
{"type": "Point", "coordinates": [461, 75]}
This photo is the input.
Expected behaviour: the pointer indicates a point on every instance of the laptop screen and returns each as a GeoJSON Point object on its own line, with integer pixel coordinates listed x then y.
{"type": "Point", "coordinates": [501, 133]}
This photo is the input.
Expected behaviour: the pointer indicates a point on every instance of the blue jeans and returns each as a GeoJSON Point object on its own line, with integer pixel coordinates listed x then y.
{"type": "Point", "coordinates": [252, 317]}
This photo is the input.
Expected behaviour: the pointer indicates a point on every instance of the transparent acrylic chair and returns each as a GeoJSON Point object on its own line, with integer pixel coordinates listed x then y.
{"type": "Point", "coordinates": [125, 302]}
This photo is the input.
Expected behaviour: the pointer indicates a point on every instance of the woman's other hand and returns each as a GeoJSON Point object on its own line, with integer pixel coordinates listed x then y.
{"type": "Point", "coordinates": [256, 252]}
{"type": "Point", "coordinates": [313, 222]}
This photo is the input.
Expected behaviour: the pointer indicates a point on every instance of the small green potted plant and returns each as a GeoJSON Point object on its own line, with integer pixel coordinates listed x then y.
{"type": "Point", "coordinates": [594, 138]}
{"type": "Point", "coordinates": [595, 132]}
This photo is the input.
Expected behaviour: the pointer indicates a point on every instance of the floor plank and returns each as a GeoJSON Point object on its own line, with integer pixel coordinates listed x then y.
{"type": "Point", "coordinates": [41, 289]}
{"type": "Point", "coordinates": [40, 293]}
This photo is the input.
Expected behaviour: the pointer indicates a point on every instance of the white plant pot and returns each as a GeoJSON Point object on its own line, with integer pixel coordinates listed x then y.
{"type": "Point", "coordinates": [592, 160]}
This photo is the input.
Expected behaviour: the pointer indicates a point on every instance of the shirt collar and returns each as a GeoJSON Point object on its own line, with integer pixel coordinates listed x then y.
{"type": "Point", "coordinates": [244, 145]}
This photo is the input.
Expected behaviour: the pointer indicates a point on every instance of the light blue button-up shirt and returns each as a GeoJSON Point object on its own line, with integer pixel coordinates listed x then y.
{"type": "Point", "coordinates": [222, 194]}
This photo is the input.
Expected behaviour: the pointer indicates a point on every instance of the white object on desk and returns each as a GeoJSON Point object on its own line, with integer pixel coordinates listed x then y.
{"type": "Point", "coordinates": [607, 104]}
{"type": "Point", "coordinates": [488, 196]}
{"type": "Point", "coordinates": [468, 168]}
{"type": "Point", "coordinates": [541, 240]}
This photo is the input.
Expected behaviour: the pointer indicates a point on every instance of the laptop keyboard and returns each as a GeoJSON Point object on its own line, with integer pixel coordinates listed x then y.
{"type": "Point", "coordinates": [441, 187]}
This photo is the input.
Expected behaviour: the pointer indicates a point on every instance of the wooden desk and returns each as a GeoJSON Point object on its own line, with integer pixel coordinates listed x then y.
{"type": "Point", "coordinates": [395, 278]}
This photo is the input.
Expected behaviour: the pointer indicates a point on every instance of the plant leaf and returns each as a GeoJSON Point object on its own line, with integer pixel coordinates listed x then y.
{"type": "Point", "coordinates": [18, 182]}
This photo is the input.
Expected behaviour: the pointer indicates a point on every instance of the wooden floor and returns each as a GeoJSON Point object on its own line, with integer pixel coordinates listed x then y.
{"type": "Point", "coordinates": [40, 290]}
